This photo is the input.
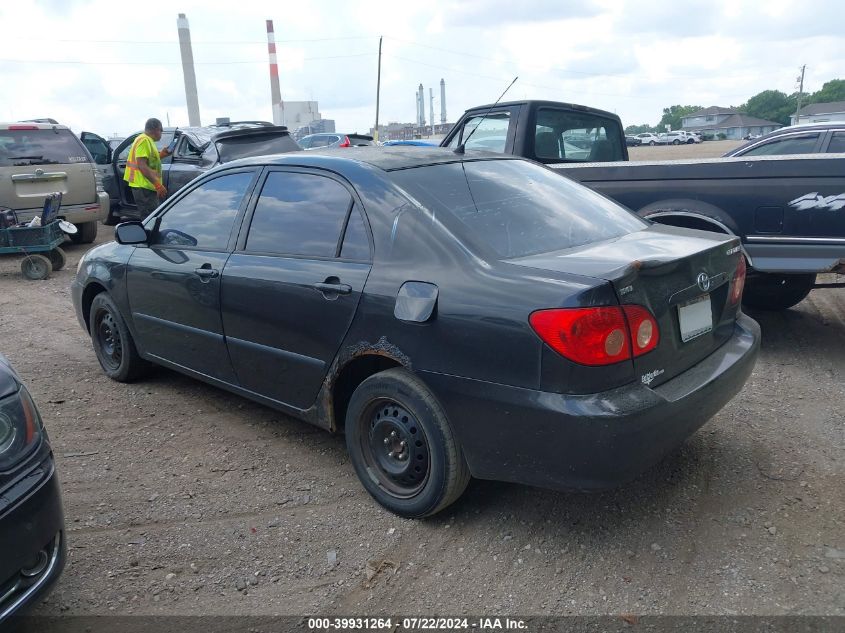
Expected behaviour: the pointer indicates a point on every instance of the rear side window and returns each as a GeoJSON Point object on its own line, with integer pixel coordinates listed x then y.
{"type": "Point", "coordinates": [40, 147]}
{"type": "Point", "coordinates": [205, 216]}
{"type": "Point", "coordinates": [837, 143]}
{"type": "Point", "coordinates": [575, 136]}
{"type": "Point", "coordinates": [255, 145]}
{"type": "Point", "coordinates": [516, 208]}
{"type": "Point", "coordinates": [299, 214]}
{"type": "Point", "coordinates": [804, 144]}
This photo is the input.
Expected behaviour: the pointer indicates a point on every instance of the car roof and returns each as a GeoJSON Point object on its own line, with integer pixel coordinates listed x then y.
{"type": "Point", "coordinates": [391, 158]}
{"type": "Point", "coordinates": [25, 125]}
{"type": "Point", "coordinates": [540, 102]}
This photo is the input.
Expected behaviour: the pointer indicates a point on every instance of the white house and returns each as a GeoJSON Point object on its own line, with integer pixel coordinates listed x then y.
{"type": "Point", "coordinates": [821, 113]}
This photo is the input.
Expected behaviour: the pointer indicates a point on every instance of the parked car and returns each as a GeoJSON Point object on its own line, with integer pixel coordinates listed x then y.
{"type": "Point", "coordinates": [456, 314]}
{"type": "Point", "coordinates": [37, 159]}
{"type": "Point", "coordinates": [810, 138]}
{"type": "Point", "coordinates": [413, 142]}
{"type": "Point", "coordinates": [632, 141]}
{"type": "Point", "coordinates": [32, 536]}
{"type": "Point", "coordinates": [694, 137]}
{"type": "Point", "coordinates": [647, 138]}
{"type": "Point", "coordinates": [197, 150]}
{"type": "Point", "coordinates": [314, 141]}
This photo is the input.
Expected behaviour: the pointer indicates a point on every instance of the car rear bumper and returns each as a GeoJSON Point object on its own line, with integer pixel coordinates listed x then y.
{"type": "Point", "coordinates": [32, 537]}
{"type": "Point", "coordinates": [75, 213]}
{"type": "Point", "coordinates": [592, 441]}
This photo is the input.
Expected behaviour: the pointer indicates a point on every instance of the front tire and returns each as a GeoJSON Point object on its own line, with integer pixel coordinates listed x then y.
{"type": "Point", "coordinates": [676, 142]}
{"type": "Point", "coordinates": [113, 342]}
{"type": "Point", "coordinates": [402, 446]}
{"type": "Point", "coordinates": [772, 291]}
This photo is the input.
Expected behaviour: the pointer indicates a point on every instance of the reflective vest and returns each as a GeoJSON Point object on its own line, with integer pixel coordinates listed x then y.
{"type": "Point", "coordinates": [133, 174]}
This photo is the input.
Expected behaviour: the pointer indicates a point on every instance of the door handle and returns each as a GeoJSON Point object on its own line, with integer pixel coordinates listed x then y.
{"type": "Point", "coordinates": [336, 288]}
{"type": "Point", "coordinates": [207, 273]}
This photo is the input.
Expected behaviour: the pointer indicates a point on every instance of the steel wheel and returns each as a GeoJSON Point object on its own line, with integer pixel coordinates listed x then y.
{"type": "Point", "coordinates": [112, 341]}
{"type": "Point", "coordinates": [395, 448]}
{"type": "Point", "coordinates": [107, 337]}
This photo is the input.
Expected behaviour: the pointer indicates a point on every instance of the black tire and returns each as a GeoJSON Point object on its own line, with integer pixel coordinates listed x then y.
{"type": "Point", "coordinates": [57, 258]}
{"type": "Point", "coordinates": [86, 233]}
{"type": "Point", "coordinates": [770, 291]}
{"type": "Point", "coordinates": [676, 142]}
{"type": "Point", "coordinates": [690, 141]}
{"type": "Point", "coordinates": [652, 143]}
{"type": "Point", "coordinates": [36, 267]}
{"type": "Point", "coordinates": [402, 446]}
{"type": "Point", "coordinates": [112, 341]}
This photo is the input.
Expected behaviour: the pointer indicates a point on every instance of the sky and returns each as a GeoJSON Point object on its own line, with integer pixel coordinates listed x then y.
{"type": "Point", "coordinates": [105, 66]}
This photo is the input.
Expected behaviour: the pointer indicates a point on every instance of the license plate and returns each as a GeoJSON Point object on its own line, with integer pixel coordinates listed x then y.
{"type": "Point", "coordinates": [695, 318]}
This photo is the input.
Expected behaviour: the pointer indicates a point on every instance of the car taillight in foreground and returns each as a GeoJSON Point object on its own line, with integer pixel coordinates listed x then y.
{"type": "Point", "coordinates": [597, 336]}
{"type": "Point", "coordinates": [346, 142]}
{"type": "Point", "coordinates": [738, 281]}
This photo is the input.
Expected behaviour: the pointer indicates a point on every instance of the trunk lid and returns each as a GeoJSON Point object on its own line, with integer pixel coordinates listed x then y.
{"type": "Point", "coordinates": [682, 276]}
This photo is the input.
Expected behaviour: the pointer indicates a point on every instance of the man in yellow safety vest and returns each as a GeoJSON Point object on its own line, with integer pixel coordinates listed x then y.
{"type": "Point", "coordinates": [143, 168]}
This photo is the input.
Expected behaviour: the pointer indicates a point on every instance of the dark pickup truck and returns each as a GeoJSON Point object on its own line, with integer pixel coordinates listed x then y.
{"type": "Point", "coordinates": [789, 211]}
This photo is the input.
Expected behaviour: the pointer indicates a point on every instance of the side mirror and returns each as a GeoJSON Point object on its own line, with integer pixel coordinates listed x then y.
{"type": "Point", "coordinates": [131, 233]}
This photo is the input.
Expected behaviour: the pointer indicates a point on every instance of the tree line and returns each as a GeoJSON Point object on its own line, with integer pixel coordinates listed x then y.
{"type": "Point", "coordinates": [771, 105]}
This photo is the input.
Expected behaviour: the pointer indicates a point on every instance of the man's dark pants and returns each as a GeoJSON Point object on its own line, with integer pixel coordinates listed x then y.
{"type": "Point", "coordinates": [146, 200]}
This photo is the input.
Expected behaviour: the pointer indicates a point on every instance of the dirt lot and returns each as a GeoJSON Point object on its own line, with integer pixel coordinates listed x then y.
{"type": "Point", "coordinates": [183, 499]}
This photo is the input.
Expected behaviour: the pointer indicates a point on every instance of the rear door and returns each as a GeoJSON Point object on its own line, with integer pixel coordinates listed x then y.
{"type": "Point", "coordinates": [190, 159]}
{"type": "Point", "coordinates": [291, 289]}
{"type": "Point", "coordinates": [174, 284]}
{"type": "Point", "coordinates": [101, 152]}
{"type": "Point", "coordinates": [36, 162]}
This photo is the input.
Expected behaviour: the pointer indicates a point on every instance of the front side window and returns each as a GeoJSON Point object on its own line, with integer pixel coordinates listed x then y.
{"type": "Point", "coordinates": [23, 147]}
{"type": "Point", "coordinates": [575, 136]}
{"type": "Point", "coordinates": [299, 214]}
{"type": "Point", "coordinates": [488, 133]}
{"type": "Point", "coordinates": [804, 144]}
{"type": "Point", "coordinates": [205, 216]}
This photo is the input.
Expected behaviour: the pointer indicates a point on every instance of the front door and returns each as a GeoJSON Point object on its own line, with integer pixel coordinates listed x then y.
{"type": "Point", "coordinates": [291, 289]}
{"type": "Point", "coordinates": [174, 284]}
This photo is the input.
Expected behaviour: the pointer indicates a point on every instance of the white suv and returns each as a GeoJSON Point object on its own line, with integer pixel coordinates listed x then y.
{"type": "Point", "coordinates": [37, 159]}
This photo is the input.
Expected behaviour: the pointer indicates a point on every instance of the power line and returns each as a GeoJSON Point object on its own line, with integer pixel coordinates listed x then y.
{"type": "Point", "coordinates": [193, 42]}
{"type": "Point", "coordinates": [179, 63]}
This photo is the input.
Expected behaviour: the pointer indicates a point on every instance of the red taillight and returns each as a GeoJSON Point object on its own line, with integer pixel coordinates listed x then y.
{"type": "Point", "coordinates": [346, 142]}
{"type": "Point", "coordinates": [738, 281]}
{"type": "Point", "coordinates": [597, 336]}
{"type": "Point", "coordinates": [644, 332]}
{"type": "Point", "coordinates": [23, 127]}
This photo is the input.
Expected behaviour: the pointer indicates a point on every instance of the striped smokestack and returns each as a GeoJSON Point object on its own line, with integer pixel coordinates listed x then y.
{"type": "Point", "coordinates": [188, 71]}
{"type": "Point", "coordinates": [275, 92]}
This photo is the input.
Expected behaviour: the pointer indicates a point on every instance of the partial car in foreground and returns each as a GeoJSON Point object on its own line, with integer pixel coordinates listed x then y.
{"type": "Point", "coordinates": [32, 543]}
{"type": "Point", "coordinates": [455, 314]}
{"type": "Point", "coordinates": [37, 159]}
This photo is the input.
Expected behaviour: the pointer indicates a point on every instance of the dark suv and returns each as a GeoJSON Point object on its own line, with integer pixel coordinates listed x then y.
{"type": "Point", "coordinates": [197, 150]}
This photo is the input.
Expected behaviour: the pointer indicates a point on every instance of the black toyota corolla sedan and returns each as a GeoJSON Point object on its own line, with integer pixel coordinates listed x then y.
{"type": "Point", "coordinates": [32, 548]}
{"type": "Point", "coordinates": [456, 315]}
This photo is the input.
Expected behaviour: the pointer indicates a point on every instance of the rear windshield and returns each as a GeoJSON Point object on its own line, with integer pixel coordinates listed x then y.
{"type": "Point", "coordinates": [516, 208]}
{"type": "Point", "coordinates": [360, 140]}
{"type": "Point", "coordinates": [255, 145]}
{"type": "Point", "coordinates": [40, 147]}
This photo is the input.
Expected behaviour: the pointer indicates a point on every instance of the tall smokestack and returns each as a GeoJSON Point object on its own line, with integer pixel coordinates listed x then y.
{"type": "Point", "coordinates": [442, 101]}
{"type": "Point", "coordinates": [422, 106]}
{"type": "Point", "coordinates": [417, 100]}
{"type": "Point", "coordinates": [431, 106]}
{"type": "Point", "coordinates": [275, 92]}
{"type": "Point", "coordinates": [188, 71]}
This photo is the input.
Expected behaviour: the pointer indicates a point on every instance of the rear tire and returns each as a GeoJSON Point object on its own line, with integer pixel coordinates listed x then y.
{"type": "Point", "coordinates": [36, 267]}
{"type": "Point", "coordinates": [86, 234]}
{"type": "Point", "coordinates": [402, 446]}
{"type": "Point", "coordinates": [652, 143]}
{"type": "Point", "coordinates": [772, 291]}
{"type": "Point", "coordinates": [112, 341]}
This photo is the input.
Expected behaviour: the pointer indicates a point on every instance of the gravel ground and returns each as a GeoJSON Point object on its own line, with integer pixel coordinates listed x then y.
{"type": "Point", "coordinates": [184, 499]}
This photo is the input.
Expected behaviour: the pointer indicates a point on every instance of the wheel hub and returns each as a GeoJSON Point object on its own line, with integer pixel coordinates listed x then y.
{"type": "Point", "coordinates": [398, 449]}
{"type": "Point", "coordinates": [109, 338]}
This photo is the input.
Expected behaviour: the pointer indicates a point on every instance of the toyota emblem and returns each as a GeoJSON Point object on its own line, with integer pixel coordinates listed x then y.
{"type": "Point", "coordinates": [703, 282]}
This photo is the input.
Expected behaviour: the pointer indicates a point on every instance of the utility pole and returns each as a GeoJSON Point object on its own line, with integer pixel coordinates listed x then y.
{"type": "Point", "coordinates": [378, 90]}
{"type": "Point", "coordinates": [800, 80]}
